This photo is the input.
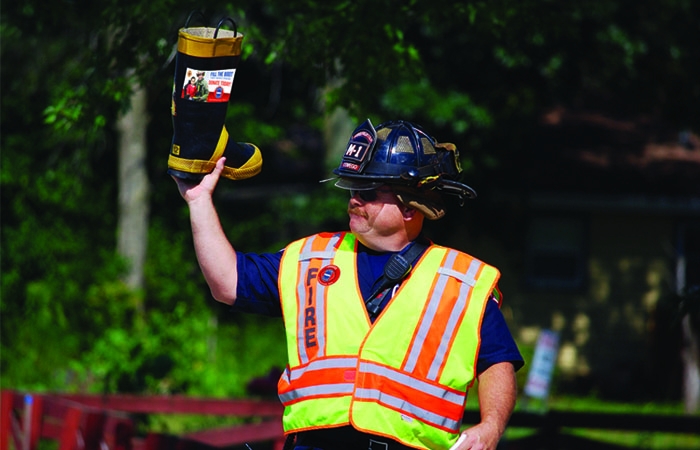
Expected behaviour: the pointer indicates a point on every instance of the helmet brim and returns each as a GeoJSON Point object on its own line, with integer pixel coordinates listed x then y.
{"type": "Point", "coordinates": [358, 185]}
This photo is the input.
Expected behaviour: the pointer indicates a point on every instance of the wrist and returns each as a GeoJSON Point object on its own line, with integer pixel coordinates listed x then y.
{"type": "Point", "coordinates": [202, 200]}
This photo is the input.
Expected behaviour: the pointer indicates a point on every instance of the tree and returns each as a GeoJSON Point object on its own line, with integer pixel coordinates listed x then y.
{"type": "Point", "coordinates": [479, 72]}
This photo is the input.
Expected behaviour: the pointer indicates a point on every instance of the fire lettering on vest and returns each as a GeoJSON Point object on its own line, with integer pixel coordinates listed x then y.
{"type": "Point", "coordinates": [310, 326]}
{"type": "Point", "coordinates": [310, 311]}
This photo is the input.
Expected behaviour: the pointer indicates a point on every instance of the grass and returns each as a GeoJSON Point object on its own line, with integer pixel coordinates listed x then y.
{"type": "Point", "coordinates": [642, 440]}
{"type": "Point", "coordinates": [651, 439]}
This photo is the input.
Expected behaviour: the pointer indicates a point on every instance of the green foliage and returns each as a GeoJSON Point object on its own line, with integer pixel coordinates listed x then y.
{"type": "Point", "coordinates": [248, 128]}
{"type": "Point", "coordinates": [453, 109]}
{"type": "Point", "coordinates": [286, 217]}
{"type": "Point", "coordinates": [49, 259]}
{"type": "Point", "coordinates": [478, 72]}
{"type": "Point", "coordinates": [166, 354]}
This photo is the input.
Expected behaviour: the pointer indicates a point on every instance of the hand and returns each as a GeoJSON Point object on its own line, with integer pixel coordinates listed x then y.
{"type": "Point", "coordinates": [479, 437]}
{"type": "Point", "coordinates": [192, 191]}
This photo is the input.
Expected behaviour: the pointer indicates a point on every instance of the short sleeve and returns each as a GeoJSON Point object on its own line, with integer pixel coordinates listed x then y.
{"type": "Point", "coordinates": [258, 291]}
{"type": "Point", "coordinates": [497, 343]}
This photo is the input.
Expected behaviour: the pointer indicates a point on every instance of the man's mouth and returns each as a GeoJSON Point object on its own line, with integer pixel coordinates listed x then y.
{"type": "Point", "coordinates": [357, 212]}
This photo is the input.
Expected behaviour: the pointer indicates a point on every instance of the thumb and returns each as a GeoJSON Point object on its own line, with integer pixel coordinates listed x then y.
{"type": "Point", "coordinates": [211, 179]}
{"type": "Point", "coordinates": [219, 167]}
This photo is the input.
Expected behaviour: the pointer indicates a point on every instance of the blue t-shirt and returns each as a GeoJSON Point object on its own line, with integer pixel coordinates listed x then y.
{"type": "Point", "coordinates": [258, 293]}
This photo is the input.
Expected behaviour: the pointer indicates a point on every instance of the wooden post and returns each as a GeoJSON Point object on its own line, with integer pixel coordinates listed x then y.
{"type": "Point", "coordinates": [93, 431]}
{"type": "Point", "coordinates": [6, 419]}
{"type": "Point", "coordinates": [71, 430]}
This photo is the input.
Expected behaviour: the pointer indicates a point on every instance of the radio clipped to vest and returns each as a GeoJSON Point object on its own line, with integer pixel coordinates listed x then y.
{"type": "Point", "coordinates": [396, 269]}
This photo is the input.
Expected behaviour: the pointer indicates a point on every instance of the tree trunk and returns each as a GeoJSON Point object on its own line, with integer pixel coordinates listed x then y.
{"type": "Point", "coordinates": [132, 229]}
{"type": "Point", "coordinates": [337, 128]}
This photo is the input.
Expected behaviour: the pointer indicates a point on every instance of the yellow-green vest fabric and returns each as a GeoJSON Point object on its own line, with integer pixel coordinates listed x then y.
{"type": "Point", "coordinates": [404, 377]}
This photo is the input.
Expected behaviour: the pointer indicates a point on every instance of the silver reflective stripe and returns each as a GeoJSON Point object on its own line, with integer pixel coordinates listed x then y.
{"type": "Point", "coordinates": [409, 381]}
{"type": "Point", "coordinates": [409, 408]}
{"type": "Point", "coordinates": [457, 311]}
{"type": "Point", "coordinates": [333, 363]}
{"type": "Point", "coordinates": [459, 307]}
{"type": "Point", "coordinates": [327, 253]}
{"type": "Point", "coordinates": [301, 296]}
{"type": "Point", "coordinates": [323, 389]}
{"type": "Point", "coordinates": [321, 254]}
{"type": "Point", "coordinates": [306, 255]}
{"type": "Point", "coordinates": [429, 316]}
{"type": "Point", "coordinates": [320, 299]}
{"type": "Point", "coordinates": [469, 277]}
{"type": "Point", "coordinates": [320, 319]}
{"type": "Point", "coordinates": [424, 326]}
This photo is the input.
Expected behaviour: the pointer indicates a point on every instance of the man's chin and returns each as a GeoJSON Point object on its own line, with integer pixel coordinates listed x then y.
{"type": "Point", "coordinates": [357, 223]}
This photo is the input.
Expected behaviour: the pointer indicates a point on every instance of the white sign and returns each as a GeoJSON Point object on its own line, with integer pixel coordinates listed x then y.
{"type": "Point", "coordinates": [540, 376]}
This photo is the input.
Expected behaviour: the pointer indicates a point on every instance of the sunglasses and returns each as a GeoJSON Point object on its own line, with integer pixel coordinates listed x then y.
{"type": "Point", "coordinates": [369, 195]}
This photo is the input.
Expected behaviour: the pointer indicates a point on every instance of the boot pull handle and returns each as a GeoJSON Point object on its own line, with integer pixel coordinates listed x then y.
{"type": "Point", "coordinates": [221, 22]}
{"type": "Point", "coordinates": [198, 13]}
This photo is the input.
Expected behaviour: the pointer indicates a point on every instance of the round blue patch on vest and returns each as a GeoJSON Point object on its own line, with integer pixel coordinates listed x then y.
{"type": "Point", "coordinates": [328, 275]}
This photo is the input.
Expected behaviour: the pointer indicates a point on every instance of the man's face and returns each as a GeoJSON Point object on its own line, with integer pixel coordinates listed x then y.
{"type": "Point", "coordinates": [375, 213]}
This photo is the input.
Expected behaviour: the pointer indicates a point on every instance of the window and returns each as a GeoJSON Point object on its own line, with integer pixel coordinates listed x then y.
{"type": "Point", "coordinates": [556, 257]}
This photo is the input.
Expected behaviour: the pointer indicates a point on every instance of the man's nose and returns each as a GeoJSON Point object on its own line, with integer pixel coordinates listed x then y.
{"type": "Point", "coordinates": [355, 198]}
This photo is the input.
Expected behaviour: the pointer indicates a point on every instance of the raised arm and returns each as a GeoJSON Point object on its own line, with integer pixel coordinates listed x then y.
{"type": "Point", "coordinates": [497, 394]}
{"type": "Point", "coordinates": [216, 255]}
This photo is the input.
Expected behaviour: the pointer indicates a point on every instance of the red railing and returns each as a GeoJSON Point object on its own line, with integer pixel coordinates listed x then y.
{"type": "Point", "coordinates": [92, 422]}
{"type": "Point", "coordinates": [104, 422]}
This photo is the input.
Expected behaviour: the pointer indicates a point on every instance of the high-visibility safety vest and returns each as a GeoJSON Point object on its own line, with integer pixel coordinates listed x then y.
{"type": "Point", "coordinates": [405, 376]}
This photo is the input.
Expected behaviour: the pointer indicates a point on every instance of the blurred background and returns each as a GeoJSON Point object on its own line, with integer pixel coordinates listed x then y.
{"type": "Point", "coordinates": [577, 124]}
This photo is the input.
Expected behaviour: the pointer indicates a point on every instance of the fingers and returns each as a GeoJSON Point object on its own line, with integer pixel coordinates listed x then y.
{"type": "Point", "coordinates": [462, 438]}
{"type": "Point", "coordinates": [182, 185]}
{"type": "Point", "coordinates": [472, 440]}
{"type": "Point", "coordinates": [191, 190]}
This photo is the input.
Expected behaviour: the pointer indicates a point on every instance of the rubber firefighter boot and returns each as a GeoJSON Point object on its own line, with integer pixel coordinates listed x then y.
{"type": "Point", "coordinates": [205, 66]}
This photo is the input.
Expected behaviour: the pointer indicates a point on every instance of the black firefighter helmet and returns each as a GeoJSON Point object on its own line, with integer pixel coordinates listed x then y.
{"type": "Point", "coordinates": [401, 154]}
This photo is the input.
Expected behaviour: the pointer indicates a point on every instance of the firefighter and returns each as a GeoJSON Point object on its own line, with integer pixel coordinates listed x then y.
{"type": "Point", "coordinates": [386, 331]}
